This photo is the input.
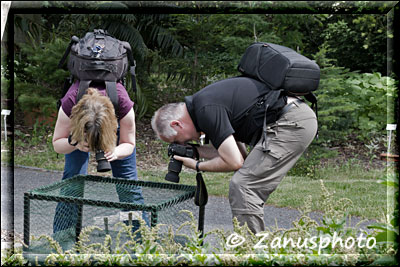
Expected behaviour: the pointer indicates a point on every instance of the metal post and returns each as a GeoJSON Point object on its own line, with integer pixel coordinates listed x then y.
{"type": "Point", "coordinates": [106, 225]}
{"type": "Point", "coordinates": [5, 129]}
{"type": "Point", "coordinates": [26, 219]}
{"type": "Point", "coordinates": [390, 128]}
{"type": "Point", "coordinates": [154, 218]}
{"type": "Point", "coordinates": [201, 221]}
{"type": "Point", "coordinates": [78, 227]}
{"type": "Point", "coordinates": [5, 113]}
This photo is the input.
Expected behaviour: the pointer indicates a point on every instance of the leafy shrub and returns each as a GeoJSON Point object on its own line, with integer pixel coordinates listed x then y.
{"type": "Point", "coordinates": [31, 102]}
{"type": "Point", "coordinates": [357, 42]}
{"type": "Point", "coordinates": [351, 101]}
{"type": "Point", "coordinates": [38, 81]}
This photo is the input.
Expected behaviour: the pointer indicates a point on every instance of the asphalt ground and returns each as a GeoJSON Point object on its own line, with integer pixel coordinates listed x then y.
{"type": "Point", "coordinates": [14, 183]}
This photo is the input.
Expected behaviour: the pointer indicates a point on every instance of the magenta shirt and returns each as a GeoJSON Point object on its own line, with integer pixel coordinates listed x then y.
{"type": "Point", "coordinates": [125, 103]}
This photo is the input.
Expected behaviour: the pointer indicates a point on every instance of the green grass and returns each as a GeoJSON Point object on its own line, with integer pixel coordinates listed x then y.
{"type": "Point", "coordinates": [6, 158]}
{"type": "Point", "coordinates": [352, 182]}
{"type": "Point", "coordinates": [217, 183]}
{"type": "Point", "coordinates": [42, 156]}
{"type": "Point", "coordinates": [6, 151]}
{"type": "Point", "coordinates": [355, 183]}
{"type": "Point", "coordinates": [347, 181]}
{"type": "Point", "coordinates": [368, 197]}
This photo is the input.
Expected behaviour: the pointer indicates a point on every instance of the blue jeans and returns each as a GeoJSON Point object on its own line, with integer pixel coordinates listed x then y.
{"type": "Point", "coordinates": [77, 163]}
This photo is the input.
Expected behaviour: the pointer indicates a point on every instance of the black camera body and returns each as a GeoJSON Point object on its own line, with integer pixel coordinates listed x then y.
{"type": "Point", "coordinates": [175, 166]}
{"type": "Point", "coordinates": [102, 163]}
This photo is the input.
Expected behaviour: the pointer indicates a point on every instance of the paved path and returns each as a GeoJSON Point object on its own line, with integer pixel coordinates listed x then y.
{"type": "Point", "coordinates": [217, 213]}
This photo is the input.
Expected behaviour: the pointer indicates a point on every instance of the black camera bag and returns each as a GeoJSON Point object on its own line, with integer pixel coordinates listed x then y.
{"type": "Point", "coordinates": [280, 67]}
{"type": "Point", "coordinates": [99, 57]}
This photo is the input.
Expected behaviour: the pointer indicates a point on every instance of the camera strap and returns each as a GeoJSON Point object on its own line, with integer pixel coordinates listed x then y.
{"type": "Point", "coordinates": [201, 195]}
{"type": "Point", "coordinates": [200, 199]}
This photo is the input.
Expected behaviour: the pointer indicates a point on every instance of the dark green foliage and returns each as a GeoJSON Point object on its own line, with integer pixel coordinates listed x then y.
{"type": "Point", "coordinates": [5, 84]}
{"type": "Point", "coordinates": [178, 54]}
{"type": "Point", "coordinates": [213, 45]}
{"type": "Point", "coordinates": [351, 101]}
{"type": "Point", "coordinates": [358, 42]}
{"type": "Point", "coordinates": [38, 82]}
{"type": "Point", "coordinates": [300, 32]}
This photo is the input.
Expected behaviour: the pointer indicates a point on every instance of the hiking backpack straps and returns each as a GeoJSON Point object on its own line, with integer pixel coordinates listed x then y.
{"type": "Point", "coordinates": [99, 57]}
{"type": "Point", "coordinates": [111, 89]}
{"type": "Point", "coordinates": [267, 100]}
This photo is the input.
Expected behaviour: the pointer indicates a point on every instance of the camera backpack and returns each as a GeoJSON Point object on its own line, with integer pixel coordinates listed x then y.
{"type": "Point", "coordinates": [280, 67]}
{"type": "Point", "coordinates": [283, 70]}
{"type": "Point", "coordinates": [98, 57]}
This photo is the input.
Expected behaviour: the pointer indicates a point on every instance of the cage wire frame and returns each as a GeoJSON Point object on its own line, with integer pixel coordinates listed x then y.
{"type": "Point", "coordinates": [43, 193]}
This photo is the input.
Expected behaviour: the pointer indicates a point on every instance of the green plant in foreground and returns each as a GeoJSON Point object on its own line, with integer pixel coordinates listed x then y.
{"type": "Point", "coordinates": [389, 230]}
{"type": "Point", "coordinates": [12, 257]}
{"type": "Point", "coordinates": [275, 246]}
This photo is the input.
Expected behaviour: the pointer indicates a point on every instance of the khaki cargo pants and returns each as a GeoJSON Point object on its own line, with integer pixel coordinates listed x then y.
{"type": "Point", "coordinates": [262, 172]}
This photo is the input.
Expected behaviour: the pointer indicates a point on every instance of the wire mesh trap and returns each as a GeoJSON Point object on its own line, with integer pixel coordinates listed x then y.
{"type": "Point", "coordinates": [61, 210]}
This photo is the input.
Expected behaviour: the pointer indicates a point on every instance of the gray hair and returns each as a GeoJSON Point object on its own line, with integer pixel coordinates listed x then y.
{"type": "Point", "coordinates": [162, 118]}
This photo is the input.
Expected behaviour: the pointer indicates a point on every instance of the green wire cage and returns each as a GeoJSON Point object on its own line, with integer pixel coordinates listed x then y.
{"type": "Point", "coordinates": [61, 210]}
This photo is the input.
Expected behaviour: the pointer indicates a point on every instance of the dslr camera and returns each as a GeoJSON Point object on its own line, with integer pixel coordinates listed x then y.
{"type": "Point", "coordinates": [175, 166]}
{"type": "Point", "coordinates": [102, 163]}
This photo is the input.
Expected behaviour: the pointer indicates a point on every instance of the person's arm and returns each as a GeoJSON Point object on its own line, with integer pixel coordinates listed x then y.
{"type": "Point", "coordinates": [242, 149]}
{"type": "Point", "coordinates": [61, 133]}
{"type": "Point", "coordinates": [127, 138]}
{"type": "Point", "coordinates": [229, 158]}
{"type": "Point", "coordinates": [207, 152]}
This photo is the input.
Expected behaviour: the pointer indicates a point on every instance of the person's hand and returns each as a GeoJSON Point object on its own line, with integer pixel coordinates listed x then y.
{"type": "Point", "coordinates": [83, 146]}
{"type": "Point", "coordinates": [110, 155]}
{"type": "Point", "coordinates": [188, 162]}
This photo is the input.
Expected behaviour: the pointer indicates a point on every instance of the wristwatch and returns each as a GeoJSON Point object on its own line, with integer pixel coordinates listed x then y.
{"type": "Point", "coordinates": [197, 166]}
{"type": "Point", "coordinates": [69, 141]}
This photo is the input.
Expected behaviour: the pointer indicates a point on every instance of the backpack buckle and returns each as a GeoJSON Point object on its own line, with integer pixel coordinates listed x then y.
{"type": "Point", "coordinates": [97, 49]}
{"type": "Point", "coordinates": [259, 104]}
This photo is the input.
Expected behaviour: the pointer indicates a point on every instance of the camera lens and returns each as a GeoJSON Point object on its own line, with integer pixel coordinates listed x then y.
{"type": "Point", "coordinates": [174, 168]}
{"type": "Point", "coordinates": [102, 164]}
{"type": "Point", "coordinates": [172, 177]}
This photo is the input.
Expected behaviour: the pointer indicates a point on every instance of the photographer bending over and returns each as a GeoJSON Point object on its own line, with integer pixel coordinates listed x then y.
{"type": "Point", "coordinates": [230, 114]}
{"type": "Point", "coordinates": [92, 125]}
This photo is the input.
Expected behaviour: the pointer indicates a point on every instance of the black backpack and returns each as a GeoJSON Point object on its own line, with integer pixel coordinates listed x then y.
{"type": "Point", "coordinates": [281, 69]}
{"type": "Point", "coordinates": [98, 57]}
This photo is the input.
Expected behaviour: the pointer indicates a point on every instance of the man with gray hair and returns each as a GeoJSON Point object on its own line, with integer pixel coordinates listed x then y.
{"type": "Point", "coordinates": [234, 112]}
